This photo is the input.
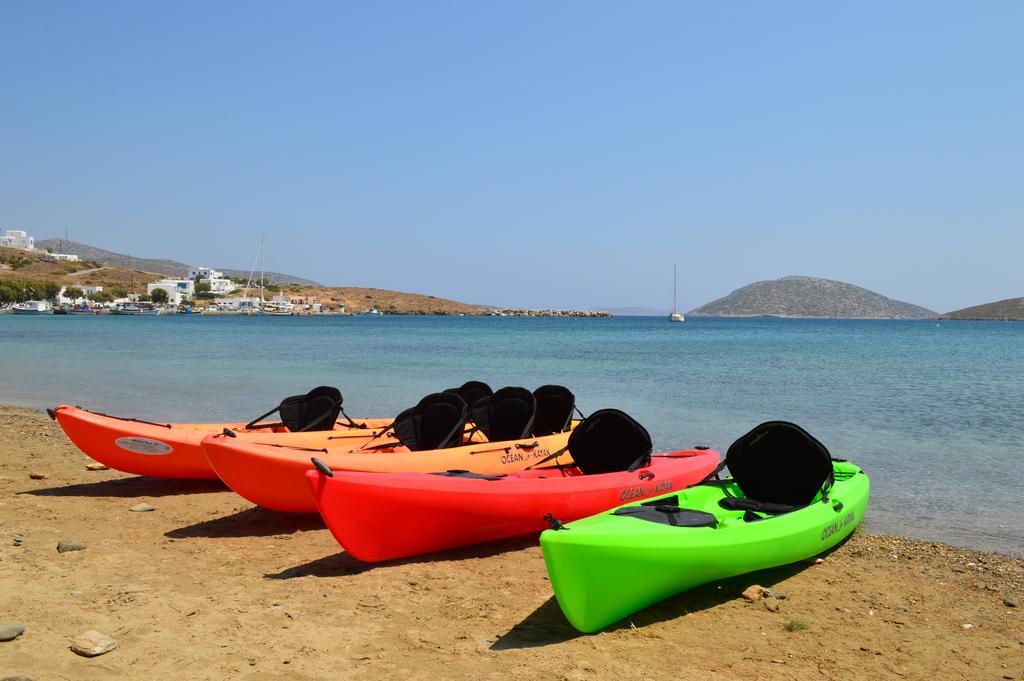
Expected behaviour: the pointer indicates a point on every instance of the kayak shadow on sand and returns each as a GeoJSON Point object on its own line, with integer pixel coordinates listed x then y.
{"type": "Point", "coordinates": [137, 486]}
{"type": "Point", "coordinates": [342, 564]}
{"type": "Point", "coordinates": [249, 522]}
{"type": "Point", "coordinates": [547, 625]}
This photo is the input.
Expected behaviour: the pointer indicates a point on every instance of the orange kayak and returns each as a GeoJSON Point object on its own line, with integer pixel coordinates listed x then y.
{"type": "Point", "coordinates": [172, 450]}
{"type": "Point", "coordinates": [274, 476]}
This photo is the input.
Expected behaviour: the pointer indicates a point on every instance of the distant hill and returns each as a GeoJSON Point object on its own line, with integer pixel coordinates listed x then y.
{"type": "Point", "coordinates": [797, 296]}
{"type": "Point", "coordinates": [171, 268]}
{"type": "Point", "coordinates": [1011, 309]}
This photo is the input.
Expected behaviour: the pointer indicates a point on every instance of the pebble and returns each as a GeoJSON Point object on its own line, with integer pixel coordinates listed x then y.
{"type": "Point", "coordinates": [1009, 677]}
{"type": "Point", "coordinates": [771, 603]}
{"type": "Point", "coordinates": [35, 475]}
{"type": "Point", "coordinates": [141, 508]}
{"type": "Point", "coordinates": [16, 678]}
{"type": "Point", "coordinates": [92, 643]}
{"type": "Point", "coordinates": [65, 545]}
{"type": "Point", "coordinates": [95, 467]}
{"type": "Point", "coordinates": [771, 593]}
{"type": "Point", "coordinates": [819, 561]}
{"type": "Point", "coordinates": [1011, 602]}
{"type": "Point", "coordinates": [968, 626]}
{"type": "Point", "coordinates": [11, 631]}
{"type": "Point", "coordinates": [753, 593]}
{"type": "Point", "coordinates": [18, 539]}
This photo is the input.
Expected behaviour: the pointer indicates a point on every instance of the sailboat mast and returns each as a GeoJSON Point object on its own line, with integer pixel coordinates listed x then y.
{"type": "Point", "coordinates": [675, 288]}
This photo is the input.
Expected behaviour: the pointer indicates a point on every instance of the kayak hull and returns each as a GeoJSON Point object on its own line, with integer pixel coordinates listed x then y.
{"type": "Point", "coordinates": [378, 517]}
{"type": "Point", "coordinates": [165, 450]}
{"type": "Point", "coordinates": [274, 477]}
{"type": "Point", "coordinates": [607, 567]}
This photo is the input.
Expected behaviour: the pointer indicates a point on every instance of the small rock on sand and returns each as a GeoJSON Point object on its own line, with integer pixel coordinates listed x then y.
{"type": "Point", "coordinates": [11, 631]}
{"type": "Point", "coordinates": [771, 593]}
{"type": "Point", "coordinates": [1011, 602]}
{"type": "Point", "coordinates": [95, 467]}
{"type": "Point", "coordinates": [142, 508]}
{"type": "Point", "coordinates": [753, 592]}
{"type": "Point", "coordinates": [36, 475]}
{"type": "Point", "coordinates": [92, 643]}
{"type": "Point", "coordinates": [771, 603]}
{"type": "Point", "coordinates": [968, 626]}
{"type": "Point", "coordinates": [65, 545]}
{"type": "Point", "coordinates": [16, 678]}
{"type": "Point", "coordinates": [18, 539]}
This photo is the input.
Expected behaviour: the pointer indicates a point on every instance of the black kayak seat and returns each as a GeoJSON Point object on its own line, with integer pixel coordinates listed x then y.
{"type": "Point", "coordinates": [778, 464]}
{"type": "Point", "coordinates": [555, 405]}
{"type": "Point", "coordinates": [665, 514]}
{"type": "Point", "coordinates": [609, 441]}
{"type": "Point", "coordinates": [436, 422]}
{"type": "Point", "coordinates": [472, 391]}
{"type": "Point", "coordinates": [508, 414]}
{"type": "Point", "coordinates": [316, 410]}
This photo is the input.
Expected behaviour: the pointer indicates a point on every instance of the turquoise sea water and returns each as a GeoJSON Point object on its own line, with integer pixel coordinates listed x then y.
{"type": "Point", "coordinates": [933, 412]}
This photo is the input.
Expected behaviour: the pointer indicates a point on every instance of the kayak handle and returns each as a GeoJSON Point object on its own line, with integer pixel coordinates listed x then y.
{"type": "Point", "coordinates": [492, 449]}
{"type": "Point", "coordinates": [229, 432]}
{"type": "Point", "coordinates": [322, 467]}
{"type": "Point", "coordinates": [531, 445]}
{"type": "Point", "coordinates": [646, 475]}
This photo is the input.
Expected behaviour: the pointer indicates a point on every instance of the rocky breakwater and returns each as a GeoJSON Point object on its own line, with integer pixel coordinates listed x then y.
{"type": "Point", "coordinates": [513, 312]}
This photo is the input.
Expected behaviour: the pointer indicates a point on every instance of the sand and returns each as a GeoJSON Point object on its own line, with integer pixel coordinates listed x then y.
{"type": "Point", "coordinates": [208, 587]}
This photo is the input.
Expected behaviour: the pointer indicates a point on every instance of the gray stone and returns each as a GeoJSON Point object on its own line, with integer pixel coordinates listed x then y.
{"type": "Point", "coordinates": [11, 631]}
{"type": "Point", "coordinates": [1011, 602]}
{"type": "Point", "coordinates": [92, 643]}
{"type": "Point", "coordinates": [774, 594]}
{"type": "Point", "coordinates": [142, 508]}
{"type": "Point", "coordinates": [16, 678]}
{"type": "Point", "coordinates": [95, 467]}
{"type": "Point", "coordinates": [65, 545]}
{"type": "Point", "coordinates": [771, 603]}
{"type": "Point", "coordinates": [36, 475]}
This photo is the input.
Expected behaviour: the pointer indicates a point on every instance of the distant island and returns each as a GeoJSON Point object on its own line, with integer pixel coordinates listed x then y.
{"type": "Point", "coordinates": [1011, 309]}
{"type": "Point", "coordinates": [797, 296]}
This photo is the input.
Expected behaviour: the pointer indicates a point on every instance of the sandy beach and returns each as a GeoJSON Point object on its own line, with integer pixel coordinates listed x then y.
{"type": "Point", "coordinates": [206, 586]}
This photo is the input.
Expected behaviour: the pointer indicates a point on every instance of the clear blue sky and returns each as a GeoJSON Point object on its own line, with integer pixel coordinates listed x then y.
{"type": "Point", "coordinates": [530, 153]}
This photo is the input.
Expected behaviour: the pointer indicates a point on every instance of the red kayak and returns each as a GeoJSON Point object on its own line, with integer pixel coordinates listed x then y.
{"type": "Point", "coordinates": [382, 516]}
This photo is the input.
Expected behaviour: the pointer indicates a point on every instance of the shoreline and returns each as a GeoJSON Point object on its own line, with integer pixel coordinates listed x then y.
{"type": "Point", "coordinates": [208, 586]}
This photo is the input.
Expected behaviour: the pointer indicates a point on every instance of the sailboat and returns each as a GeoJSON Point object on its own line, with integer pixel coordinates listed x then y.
{"type": "Point", "coordinates": [676, 316]}
{"type": "Point", "coordinates": [268, 308]}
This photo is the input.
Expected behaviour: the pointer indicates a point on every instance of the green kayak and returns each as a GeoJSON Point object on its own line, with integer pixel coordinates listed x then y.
{"type": "Point", "coordinates": [788, 500]}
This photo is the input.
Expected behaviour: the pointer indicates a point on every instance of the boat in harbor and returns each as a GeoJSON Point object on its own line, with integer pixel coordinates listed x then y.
{"type": "Point", "coordinates": [275, 308]}
{"type": "Point", "coordinates": [32, 307]}
{"type": "Point", "coordinates": [125, 309]}
{"type": "Point", "coordinates": [676, 315]}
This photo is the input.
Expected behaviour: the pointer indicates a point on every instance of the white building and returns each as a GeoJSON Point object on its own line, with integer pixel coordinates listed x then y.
{"type": "Point", "coordinates": [241, 304]}
{"type": "Point", "coordinates": [67, 257]}
{"type": "Point", "coordinates": [62, 297]}
{"type": "Point", "coordinates": [17, 238]}
{"type": "Point", "coordinates": [178, 290]}
{"type": "Point", "coordinates": [219, 284]}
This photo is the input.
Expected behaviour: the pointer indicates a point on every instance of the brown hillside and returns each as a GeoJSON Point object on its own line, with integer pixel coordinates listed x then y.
{"type": "Point", "coordinates": [1011, 309]}
{"type": "Point", "coordinates": [358, 300]}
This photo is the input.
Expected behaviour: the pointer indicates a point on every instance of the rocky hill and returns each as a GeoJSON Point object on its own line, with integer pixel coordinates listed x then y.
{"type": "Point", "coordinates": [171, 268]}
{"type": "Point", "coordinates": [1011, 309]}
{"type": "Point", "coordinates": [797, 296]}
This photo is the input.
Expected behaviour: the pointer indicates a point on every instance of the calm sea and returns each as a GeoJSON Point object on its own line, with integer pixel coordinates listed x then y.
{"type": "Point", "coordinates": [933, 412]}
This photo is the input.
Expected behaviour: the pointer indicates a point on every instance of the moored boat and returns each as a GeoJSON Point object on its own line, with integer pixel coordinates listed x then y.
{"type": "Point", "coordinates": [32, 307]}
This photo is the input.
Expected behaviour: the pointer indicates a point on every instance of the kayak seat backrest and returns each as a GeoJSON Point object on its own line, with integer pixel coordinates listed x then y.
{"type": "Point", "coordinates": [471, 391]}
{"type": "Point", "coordinates": [316, 410]}
{"type": "Point", "coordinates": [555, 404]}
{"type": "Point", "coordinates": [436, 422]}
{"type": "Point", "coordinates": [506, 415]}
{"type": "Point", "coordinates": [609, 441]}
{"type": "Point", "coordinates": [780, 463]}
